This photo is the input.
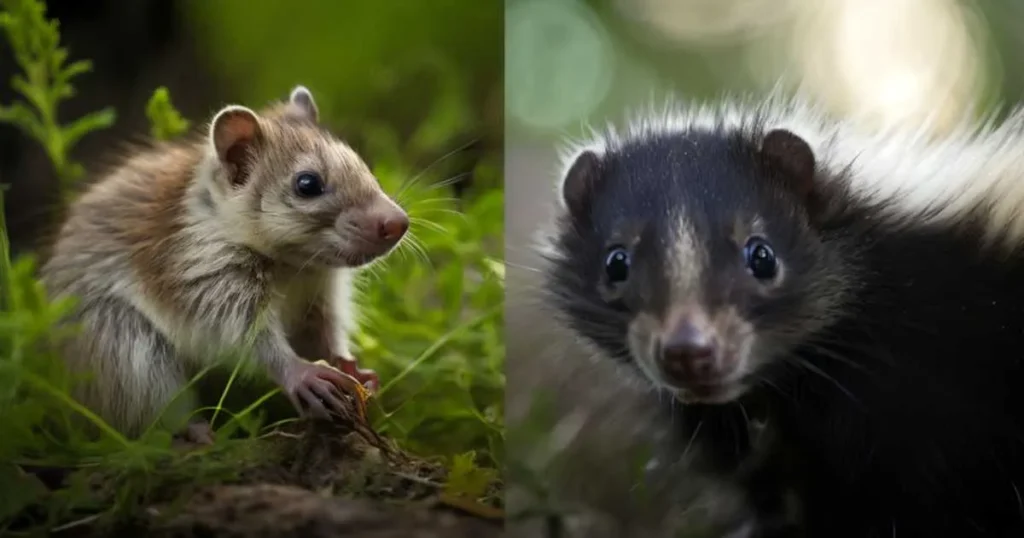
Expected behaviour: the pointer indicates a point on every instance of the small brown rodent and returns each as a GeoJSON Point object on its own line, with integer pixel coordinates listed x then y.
{"type": "Point", "coordinates": [251, 230]}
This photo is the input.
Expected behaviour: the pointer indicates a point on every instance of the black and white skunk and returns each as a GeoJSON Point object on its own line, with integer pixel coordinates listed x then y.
{"type": "Point", "coordinates": [860, 292]}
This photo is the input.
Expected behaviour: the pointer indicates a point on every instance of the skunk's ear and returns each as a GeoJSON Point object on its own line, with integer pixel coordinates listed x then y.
{"type": "Point", "coordinates": [579, 183]}
{"type": "Point", "coordinates": [301, 100]}
{"type": "Point", "coordinates": [793, 159]}
{"type": "Point", "coordinates": [235, 133]}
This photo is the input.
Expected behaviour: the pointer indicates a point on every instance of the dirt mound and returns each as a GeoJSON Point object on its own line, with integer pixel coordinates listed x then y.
{"type": "Point", "coordinates": [267, 510]}
{"type": "Point", "coordinates": [311, 479]}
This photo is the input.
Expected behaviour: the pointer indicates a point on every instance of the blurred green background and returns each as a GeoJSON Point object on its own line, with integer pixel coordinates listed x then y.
{"type": "Point", "coordinates": [415, 87]}
{"type": "Point", "coordinates": [572, 63]}
{"type": "Point", "coordinates": [575, 60]}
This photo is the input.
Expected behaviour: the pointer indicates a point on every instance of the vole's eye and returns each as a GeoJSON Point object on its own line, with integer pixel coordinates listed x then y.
{"type": "Point", "coordinates": [616, 265]}
{"type": "Point", "coordinates": [760, 258]}
{"type": "Point", "coordinates": [308, 184]}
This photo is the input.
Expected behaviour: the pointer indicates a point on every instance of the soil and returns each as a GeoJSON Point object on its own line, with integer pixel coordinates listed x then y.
{"type": "Point", "coordinates": [314, 479]}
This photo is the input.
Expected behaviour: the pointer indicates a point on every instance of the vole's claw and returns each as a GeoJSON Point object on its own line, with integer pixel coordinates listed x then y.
{"type": "Point", "coordinates": [310, 404]}
{"type": "Point", "coordinates": [316, 389]}
{"type": "Point", "coordinates": [328, 394]}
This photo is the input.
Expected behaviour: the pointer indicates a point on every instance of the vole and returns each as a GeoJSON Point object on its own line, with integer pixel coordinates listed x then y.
{"type": "Point", "coordinates": [861, 292]}
{"type": "Point", "coordinates": [252, 229]}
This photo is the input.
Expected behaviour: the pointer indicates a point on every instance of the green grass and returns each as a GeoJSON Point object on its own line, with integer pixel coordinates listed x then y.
{"type": "Point", "coordinates": [45, 81]}
{"type": "Point", "coordinates": [431, 320]}
{"type": "Point", "coordinates": [433, 325]}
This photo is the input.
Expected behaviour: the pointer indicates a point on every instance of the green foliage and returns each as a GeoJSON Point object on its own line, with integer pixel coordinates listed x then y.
{"type": "Point", "coordinates": [433, 321]}
{"type": "Point", "coordinates": [165, 121]}
{"type": "Point", "coordinates": [44, 426]}
{"type": "Point", "coordinates": [44, 83]}
{"type": "Point", "coordinates": [466, 478]}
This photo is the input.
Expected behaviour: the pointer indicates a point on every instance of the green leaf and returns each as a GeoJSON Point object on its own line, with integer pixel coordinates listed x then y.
{"type": "Point", "coordinates": [24, 118]}
{"type": "Point", "coordinates": [78, 68]}
{"type": "Point", "coordinates": [20, 490]}
{"type": "Point", "coordinates": [466, 479]}
{"type": "Point", "coordinates": [45, 81]}
{"type": "Point", "coordinates": [496, 267]}
{"type": "Point", "coordinates": [94, 121]}
{"type": "Point", "coordinates": [165, 121]}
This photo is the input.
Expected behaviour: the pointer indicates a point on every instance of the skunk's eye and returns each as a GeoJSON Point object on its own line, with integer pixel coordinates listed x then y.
{"type": "Point", "coordinates": [760, 258]}
{"type": "Point", "coordinates": [616, 265]}
{"type": "Point", "coordinates": [309, 184]}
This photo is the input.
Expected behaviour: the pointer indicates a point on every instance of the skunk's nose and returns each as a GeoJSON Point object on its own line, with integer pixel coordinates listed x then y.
{"type": "Point", "coordinates": [689, 354]}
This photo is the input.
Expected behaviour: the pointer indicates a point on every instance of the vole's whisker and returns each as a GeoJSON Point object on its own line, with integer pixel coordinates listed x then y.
{"type": "Point", "coordinates": [407, 184]}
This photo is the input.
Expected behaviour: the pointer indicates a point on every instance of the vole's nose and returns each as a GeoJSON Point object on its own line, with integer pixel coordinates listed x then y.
{"type": "Point", "coordinates": [379, 227]}
{"type": "Point", "coordinates": [393, 227]}
{"type": "Point", "coordinates": [689, 354]}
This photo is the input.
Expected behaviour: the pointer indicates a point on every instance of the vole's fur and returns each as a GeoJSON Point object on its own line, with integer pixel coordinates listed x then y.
{"type": "Point", "coordinates": [188, 249]}
{"type": "Point", "coordinates": [884, 355]}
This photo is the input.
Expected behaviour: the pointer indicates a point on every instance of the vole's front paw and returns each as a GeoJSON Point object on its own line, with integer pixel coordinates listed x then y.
{"type": "Point", "coordinates": [366, 377]}
{"type": "Point", "coordinates": [315, 389]}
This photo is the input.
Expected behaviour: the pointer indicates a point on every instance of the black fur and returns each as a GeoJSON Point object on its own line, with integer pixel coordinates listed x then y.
{"type": "Point", "coordinates": [909, 421]}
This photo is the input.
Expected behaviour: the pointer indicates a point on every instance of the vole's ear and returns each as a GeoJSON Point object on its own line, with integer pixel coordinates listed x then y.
{"type": "Point", "coordinates": [579, 183]}
{"type": "Point", "coordinates": [301, 100]}
{"type": "Point", "coordinates": [793, 158]}
{"type": "Point", "coordinates": [235, 134]}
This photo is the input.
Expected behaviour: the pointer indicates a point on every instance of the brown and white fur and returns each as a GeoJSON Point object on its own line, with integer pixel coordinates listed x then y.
{"type": "Point", "coordinates": [187, 250]}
